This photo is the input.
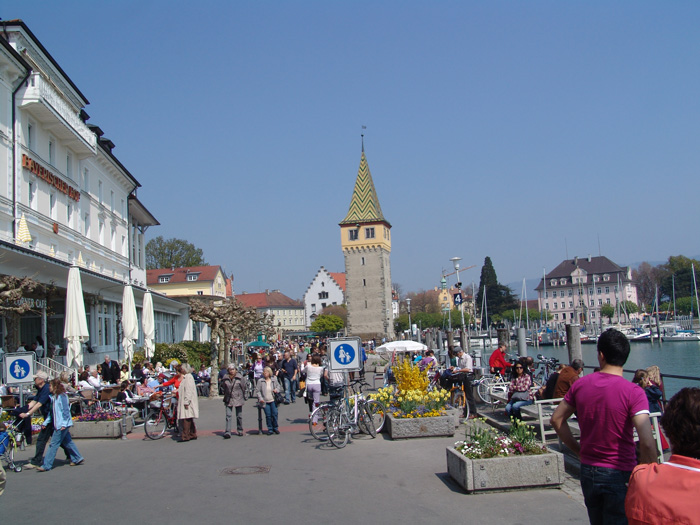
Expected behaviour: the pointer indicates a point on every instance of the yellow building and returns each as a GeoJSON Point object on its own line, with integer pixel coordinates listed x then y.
{"type": "Point", "coordinates": [184, 282]}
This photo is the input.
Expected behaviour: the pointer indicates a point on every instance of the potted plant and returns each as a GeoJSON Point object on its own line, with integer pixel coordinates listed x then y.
{"type": "Point", "coordinates": [489, 460]}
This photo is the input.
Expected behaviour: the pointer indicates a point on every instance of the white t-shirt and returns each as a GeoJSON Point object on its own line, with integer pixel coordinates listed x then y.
{"type": "Point", "coordinates": [313, 374]}
{"type": "Point", "coordinates": [465, 362]}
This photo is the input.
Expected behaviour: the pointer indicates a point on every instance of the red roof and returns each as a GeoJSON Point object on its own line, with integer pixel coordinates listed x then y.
{"type": "Point", "coordinates": [179, 275]}
{"type": "Point", "coordinates": [339, 278]}
{"type": "Point", "coordinates": [267, 300]}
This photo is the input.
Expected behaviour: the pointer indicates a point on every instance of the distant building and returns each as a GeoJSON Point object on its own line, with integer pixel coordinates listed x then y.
{"type": "Point", "coordinates": [326, 289]}
{"type": "Point", "coordinates": [288, 314]}
{"type": "Point", "coordinates": [185, 282]}
{"type": "Point", "coordinates": [574, 291]}
{"type": "Point", "coordinates": [365, 237]}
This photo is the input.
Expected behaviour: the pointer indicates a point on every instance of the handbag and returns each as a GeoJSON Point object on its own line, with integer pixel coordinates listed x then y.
{"type": "Point", "coordinates": [279, 398]}
{"type": "Point", "coordinates": [520, 396]}
{"type": "Point", "coordinates": [302, 384]}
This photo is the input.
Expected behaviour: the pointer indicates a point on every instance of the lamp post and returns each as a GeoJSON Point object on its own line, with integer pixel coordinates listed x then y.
{"type": "Point", "coordinates": [410, 327]}
{"type": "Point", "coordinates": [455, 262]}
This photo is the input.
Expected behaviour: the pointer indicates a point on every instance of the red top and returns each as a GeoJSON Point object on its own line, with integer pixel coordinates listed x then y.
{"type": "Point", "coordinates": [498, 360]}
{"type": "Point", "coordinates": [175, 381]}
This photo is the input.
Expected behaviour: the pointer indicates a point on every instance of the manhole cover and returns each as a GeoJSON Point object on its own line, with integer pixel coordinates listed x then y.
{"type": "Point", "coordinates": [241, 471]}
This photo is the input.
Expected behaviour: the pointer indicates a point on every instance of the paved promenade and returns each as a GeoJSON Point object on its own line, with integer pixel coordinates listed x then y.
{"type": "Point", "coordinates": [370, 481]}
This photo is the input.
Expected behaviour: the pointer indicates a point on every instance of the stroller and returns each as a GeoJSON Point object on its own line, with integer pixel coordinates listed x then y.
{"type": "Point", "coordinates": [10, 440]}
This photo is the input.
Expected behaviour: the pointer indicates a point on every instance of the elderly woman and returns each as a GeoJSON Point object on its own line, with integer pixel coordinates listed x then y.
{"type": "Point", "coordinates": [265, 392]}
{"type": "Point", "coordinates": [187, 404]}
{"type": "Point", "coordinates": [233, 385]}
{"type": "Point", "coordinates": [667, 493]}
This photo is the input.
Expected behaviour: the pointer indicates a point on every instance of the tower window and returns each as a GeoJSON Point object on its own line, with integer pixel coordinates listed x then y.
{"type": "Point", "coordinates": [363, 261]}
{"type": "Point", "coordinates": [369, 233]}
{"type": "Point", "coordinates": [353, 235]}
{"type": "Point", "coordinates": [364, 282]}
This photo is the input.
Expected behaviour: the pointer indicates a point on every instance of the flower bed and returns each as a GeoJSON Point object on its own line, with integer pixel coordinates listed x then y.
{"type": "Point", "coordinates": [99, 415]}
{"type": "Point", "coordinates": [486, 460]}
{"type": "Point", "coordinates": [404, 428]}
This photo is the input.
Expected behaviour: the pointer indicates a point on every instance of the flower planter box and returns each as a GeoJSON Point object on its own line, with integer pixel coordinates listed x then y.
{"type": "Point", "coordinates": [99, 429]}
{"type": "Point", "coordinates": [455, 413]}
{"type": "Point", "coordinates": [500, 473]}
{"type": "Point", "coordinates": [403, 428]}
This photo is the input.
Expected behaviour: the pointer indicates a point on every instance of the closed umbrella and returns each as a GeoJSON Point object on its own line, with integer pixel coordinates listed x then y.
{"type": "Point", "coordinates": [129, 323]}
{"type": "Point", "coordinates": [149, 325]}
{"type": "Point", "coordinates": [23, 235]}
{"type": "Point", "coordinates": [75, 329]}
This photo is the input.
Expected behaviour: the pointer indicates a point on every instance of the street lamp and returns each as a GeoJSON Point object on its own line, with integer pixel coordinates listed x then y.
{"type": "Point", "coordinates": [455, 262]}
{"type": "Point", "coordinates": [410, 327]}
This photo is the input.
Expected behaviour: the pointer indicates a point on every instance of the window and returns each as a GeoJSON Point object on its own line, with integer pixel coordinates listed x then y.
{"type": "Point", "coordinates": [546, 306]}
{"type": "Point", "coordinates": [200, 292]}
{"type": "Point", "coordinates": [323, 295]}
{"type": "Point", "coordinates": [562, 281]}
{"type": "Point", "coordinates": [553, 282]}
{"type": "Point", "coordinates": [600, 302]}
{"type": "Point", "coordinates": [571, 304]}
{"type": "Point", "coordinates": [164, 279]}
{"type": "Point", "coordinates": [52, 206]}
{"type": "Point", "coordinates": [554, 293]}
{"type": "Point", "coordinates": [592, 302]}
{"type": "Point", "coordinates": [113, 238]}
{"type": "Point", "coordinates": [191, 277]}
{"type": "Point", "coordinates": [600, 290]}
{"type": "Point", "coordinates": [607, 289]}
{"type": "Point", "coordinates": [369, 233]}
{"type": "Point", "coordinates": [590, 291]}
{"type": "Point", "coordinates": [592, 315]}
{"type": "Point", "coordinates": [31, 195]}
{"type": "Point", "coordinates": [556, 317]}
{"type": "Point", "coordinates": [313, 308]}
{"type": "Point", "coordinates": [563, 305]}
{"type": "Point", "coordinates": [69, 215]}
{"type": "Point", "coordinates": [364, 282]}
{"type": "Point", "coordinates": [556, 305]}
{"type": "Point", "coordinates": [30, 136]}
{"type": "Point", "coordinates": [52, 151]}
{"type": "Point", "coordinates": [615, 289]}
{"type": "Point", "coordinates": [87, 225]}
{"type": "Point", "coordinates": [546, 294]}
{"type": "Point", "coordinates": [606, 277]}
{"type": "Point", "coordinates": [362, 261]}
{"type": "Point", "coordinates": [571, 292]}
{"type": "Point", "coordinates": [353, 235]}
{"type": "Point", "coordinates": [69, 165]}
{"type": "Point", "coordinates": [101, 232]}
{"type": "Point", "coordinates": [607, 300]}
{"type": "Point", "coordinates": [99, 191]}
{"type": "Point", "coordinates": [86, 180]}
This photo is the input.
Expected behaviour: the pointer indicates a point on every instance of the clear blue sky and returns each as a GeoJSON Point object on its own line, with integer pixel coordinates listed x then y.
{"type": "Point", "coordinates": [505, 129]}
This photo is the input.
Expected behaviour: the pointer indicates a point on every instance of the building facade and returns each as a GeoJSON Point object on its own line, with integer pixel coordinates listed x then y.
{"type": "Point", "coordinates": [576, 290]}
{"type": "Point", "coordinates": [326, 289]}
{"type": "Point", "coordinates": [287, 314]}
{"type": "Point", "coordinates": [187, 282]}
{"type": "Point", "coordinates": [365, 237]}
{"type": "Point", "coordinates": [65, 199]}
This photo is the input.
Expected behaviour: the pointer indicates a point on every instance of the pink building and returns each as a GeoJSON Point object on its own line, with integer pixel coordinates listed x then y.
{"type": "Point", "coordinates": [575, 290]}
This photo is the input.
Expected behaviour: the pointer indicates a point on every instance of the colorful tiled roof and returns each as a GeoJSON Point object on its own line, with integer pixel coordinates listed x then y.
{"type": "Point", "coordinates": [339, 278]}
{"type": "Point", "coordinates": [364, 205]}
{"type": "Point", "coordinates": [179, 275]}
{"type": "Point", "coordinates": [272, 299]}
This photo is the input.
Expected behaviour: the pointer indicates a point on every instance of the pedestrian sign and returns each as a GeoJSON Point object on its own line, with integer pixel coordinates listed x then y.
{"type": "Point", "coordinates": [19, 368]}
{"type": "Point", "coordinates": [345, 354]}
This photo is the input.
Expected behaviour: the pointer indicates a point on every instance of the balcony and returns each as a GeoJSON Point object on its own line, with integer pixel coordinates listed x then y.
{"type": "Point", "coordinates": [46, 104]}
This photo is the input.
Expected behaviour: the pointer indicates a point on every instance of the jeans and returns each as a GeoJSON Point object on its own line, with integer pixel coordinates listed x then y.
{"type": "Point", "coordinates": [239, 418]}
{"type": "Point", "coordinates": [604, 491]}
{"type": "Point", "coordinates": [289, 390]}
{"type": "Point", "coordinates": [61, 438]}
{"type": "Point", "coordinates": [513, 407]}
{"type": "Point", "coordinates": [271, 416]}
{"type": "Point", "coordinates": [42, 439]}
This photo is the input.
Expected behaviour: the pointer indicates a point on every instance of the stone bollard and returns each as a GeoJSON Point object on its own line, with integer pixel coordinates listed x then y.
{"type": "Point", "coordinates": [573, 341]}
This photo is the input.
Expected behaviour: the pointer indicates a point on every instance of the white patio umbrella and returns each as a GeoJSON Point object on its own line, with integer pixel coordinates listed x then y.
{"type": "Point", "coordinates": [401, 346]}
{"type": "Point", "coordinates": [75, 329]}
{"type": "Point", "coordinates": [148, 324]}
{"type": "Point", "coordinates": [130, 324]}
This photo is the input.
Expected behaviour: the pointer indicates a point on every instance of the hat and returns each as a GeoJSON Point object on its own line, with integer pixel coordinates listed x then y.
{"type": "Point", "coordinates": [43, 375]}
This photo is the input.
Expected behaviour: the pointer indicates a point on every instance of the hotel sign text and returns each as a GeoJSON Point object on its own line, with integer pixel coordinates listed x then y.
{"type": "Point", "coordinates": [44, 174]}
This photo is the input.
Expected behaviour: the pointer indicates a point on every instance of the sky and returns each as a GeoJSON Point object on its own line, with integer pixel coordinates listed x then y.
{"type": "Point", "coordinates": [527, 132]}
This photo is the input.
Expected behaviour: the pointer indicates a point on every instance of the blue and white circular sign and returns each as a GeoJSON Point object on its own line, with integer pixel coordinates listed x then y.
{"type": "Point", "coordinates": [344, 354]}
{"type": "Point", "coordinates": [19, 368]}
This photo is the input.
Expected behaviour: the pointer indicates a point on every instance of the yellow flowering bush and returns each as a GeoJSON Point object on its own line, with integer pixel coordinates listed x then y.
{"type": "Point", "coordinates": [410, 397]}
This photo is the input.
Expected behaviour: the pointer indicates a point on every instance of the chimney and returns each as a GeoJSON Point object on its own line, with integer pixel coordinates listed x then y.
{"type": "Point", "coordinates": [576, 260]}
{"type": "Point", "coordinates": [589, 257]}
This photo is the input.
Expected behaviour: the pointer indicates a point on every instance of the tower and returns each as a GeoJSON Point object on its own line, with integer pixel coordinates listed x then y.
{"type": "Point", "coordinates": [365, 236]}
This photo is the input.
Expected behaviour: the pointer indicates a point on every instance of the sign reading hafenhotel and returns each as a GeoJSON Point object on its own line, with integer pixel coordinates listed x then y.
{"type": "Point", "coordinates": [46, 175]}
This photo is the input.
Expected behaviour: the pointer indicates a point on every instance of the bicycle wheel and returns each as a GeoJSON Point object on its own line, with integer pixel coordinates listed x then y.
{"type": "Point", "coordinates": [377, 412]}
{"type": "Point", "coordinates": [483, 390]}
{"type": "Point", "coordinates": [155, 424]}
{"type": "Point", "coordinates": [366, 423]}
{"type": "Point", "coordinates": [337, 428]}
{"type": "Point", "coordinates": [318, 430]}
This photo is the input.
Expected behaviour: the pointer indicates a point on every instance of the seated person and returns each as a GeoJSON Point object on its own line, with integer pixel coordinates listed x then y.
{"type": "Point", "coordinates": [667, 492]}
{"type": "Point", "coordinates": [125, 394]}
{"type": "Point", "coordinates": [547, 391]}
{"type": "Point", "coordinates": [83, 383]}
{"type": "Point", "coordinates": [145, 389]}
{"type": "Point", "coordinates": [66, 380]}
{"type": "Point", "coordinates": [428, 362]}
{"type": "Point", "coordinates": [204, 374]}
{"type": "Point", "coordinates": [160, 368]}
{"type": "Point", "coordinates": [137, 372]}
{"type": "Point", "coordinates": [123, 374]}
{"type": "Point", "coordinates": [94, 378]}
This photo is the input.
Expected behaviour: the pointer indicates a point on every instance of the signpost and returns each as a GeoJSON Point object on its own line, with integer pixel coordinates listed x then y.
{"type": "Point", "coordinates": [19, 368]}
{"type": "Point", "coordinates": [345, 354]}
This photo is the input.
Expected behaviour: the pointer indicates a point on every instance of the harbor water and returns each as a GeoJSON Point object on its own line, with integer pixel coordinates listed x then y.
{"type": "Point", "coordinates": [672, 357]}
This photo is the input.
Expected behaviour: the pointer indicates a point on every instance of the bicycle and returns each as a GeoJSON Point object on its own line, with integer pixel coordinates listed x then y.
{"type": "Point", "coordinates": [354, 414]}
{"type": "Point", "coordinates": [491, 384]}
{"type": "Point", "coordinates": [161, 417]}
{"type": "Point", "coordinates": [545, 367]}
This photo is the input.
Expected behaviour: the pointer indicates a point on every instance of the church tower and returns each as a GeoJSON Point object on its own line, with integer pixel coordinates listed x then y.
{"type": "Point", "coordinates": [365, 236]}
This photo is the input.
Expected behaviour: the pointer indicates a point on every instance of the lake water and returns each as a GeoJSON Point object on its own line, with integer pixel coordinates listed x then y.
{"type": "Point", "coordinates": [678, 358]}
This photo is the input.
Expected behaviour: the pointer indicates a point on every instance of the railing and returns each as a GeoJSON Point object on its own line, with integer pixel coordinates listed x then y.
{"type": "Point", "coordinates": [53, 367]}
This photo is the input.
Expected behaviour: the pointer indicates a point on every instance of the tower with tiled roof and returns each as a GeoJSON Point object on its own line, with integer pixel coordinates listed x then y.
{"type": "Point", "coordinates": [365, 236]}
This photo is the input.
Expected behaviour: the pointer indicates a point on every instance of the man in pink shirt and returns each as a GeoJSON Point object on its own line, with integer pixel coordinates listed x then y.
{"type": "Point", "coordinates": [607, 407]}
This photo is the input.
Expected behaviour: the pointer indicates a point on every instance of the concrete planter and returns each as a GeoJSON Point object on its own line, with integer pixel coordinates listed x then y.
{"type": "Point", "coordinates": [99, 429]}
{"type": "Point", "coordinates": [400, 428]}
{"type": "Point", "coordinates": [455, 413]}
{"type": "Point", "coordinates": [514, 472]}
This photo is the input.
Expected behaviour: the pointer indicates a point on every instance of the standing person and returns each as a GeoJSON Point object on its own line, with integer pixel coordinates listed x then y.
{"type": "Point", "coordinates": [291, 371]}
{"type": "Point", "coordinates": [464, 370]}
{"type": "Point", "coordinates": [110, 371]}
{"type": "Point", "coordinates": [497, 361]}
{"type": "Point", "coordinates": [607, 407]}
{"type": "Point", "coordinates": [265, 391]}
{"type": "Point", "coordinates": [668, 493]}
{"type": "Point", "coordinates": [314, 372]}
{"type": "Point", "coordinates": [567, 377]}
{"type": "Point", "coordinates": [519, 394]}
{"type": "Point", "coordinates": [187, 404]}
{"type": "Point", "coordinates": [61, 420]}
{"type": "Point", "coordinates": [233, 385]}
{"type": "Point", "coordinates": [42, 404]}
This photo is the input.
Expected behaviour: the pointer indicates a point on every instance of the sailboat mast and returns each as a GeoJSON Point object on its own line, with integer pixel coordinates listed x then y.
{"type": "Point", "coordinates": [695, 285]}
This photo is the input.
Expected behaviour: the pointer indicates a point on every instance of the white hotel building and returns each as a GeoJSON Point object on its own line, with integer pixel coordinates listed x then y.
{"type": "Point", "coordinates": [60, 177]}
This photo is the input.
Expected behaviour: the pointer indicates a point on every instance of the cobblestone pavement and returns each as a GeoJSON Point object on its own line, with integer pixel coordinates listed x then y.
{"type": "Point", "coordinates": [288, 478]}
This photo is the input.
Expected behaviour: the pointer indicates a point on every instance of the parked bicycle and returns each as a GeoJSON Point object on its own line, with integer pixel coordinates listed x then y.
{"type": "Point", "coordinates": [161, 416]}
{"type": "Point", "coordinates": [354, 414]}
{"type": "Point", "coordinates": [545, 367]}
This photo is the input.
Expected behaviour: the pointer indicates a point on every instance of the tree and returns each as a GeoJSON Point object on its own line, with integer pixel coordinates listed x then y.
{"type": "Point", "coordinates": [629, 308]}
{"type": "Point", "coordinates": [327, 324]}
{"type": "Point", "coordinates": [424, 301]}
{"type": "Point", "coordinates": [677, 274]}
{"type": "Point", "coordinates": [647, 277]}
{"type": "Point", "coordinates": [172, 253]}
{"type": "Point", "coordinates": [607, 310]}
{"type": "Point", "coordinates": [498, 297]}
{"type": "Point", "coordinates": [337, 310]}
